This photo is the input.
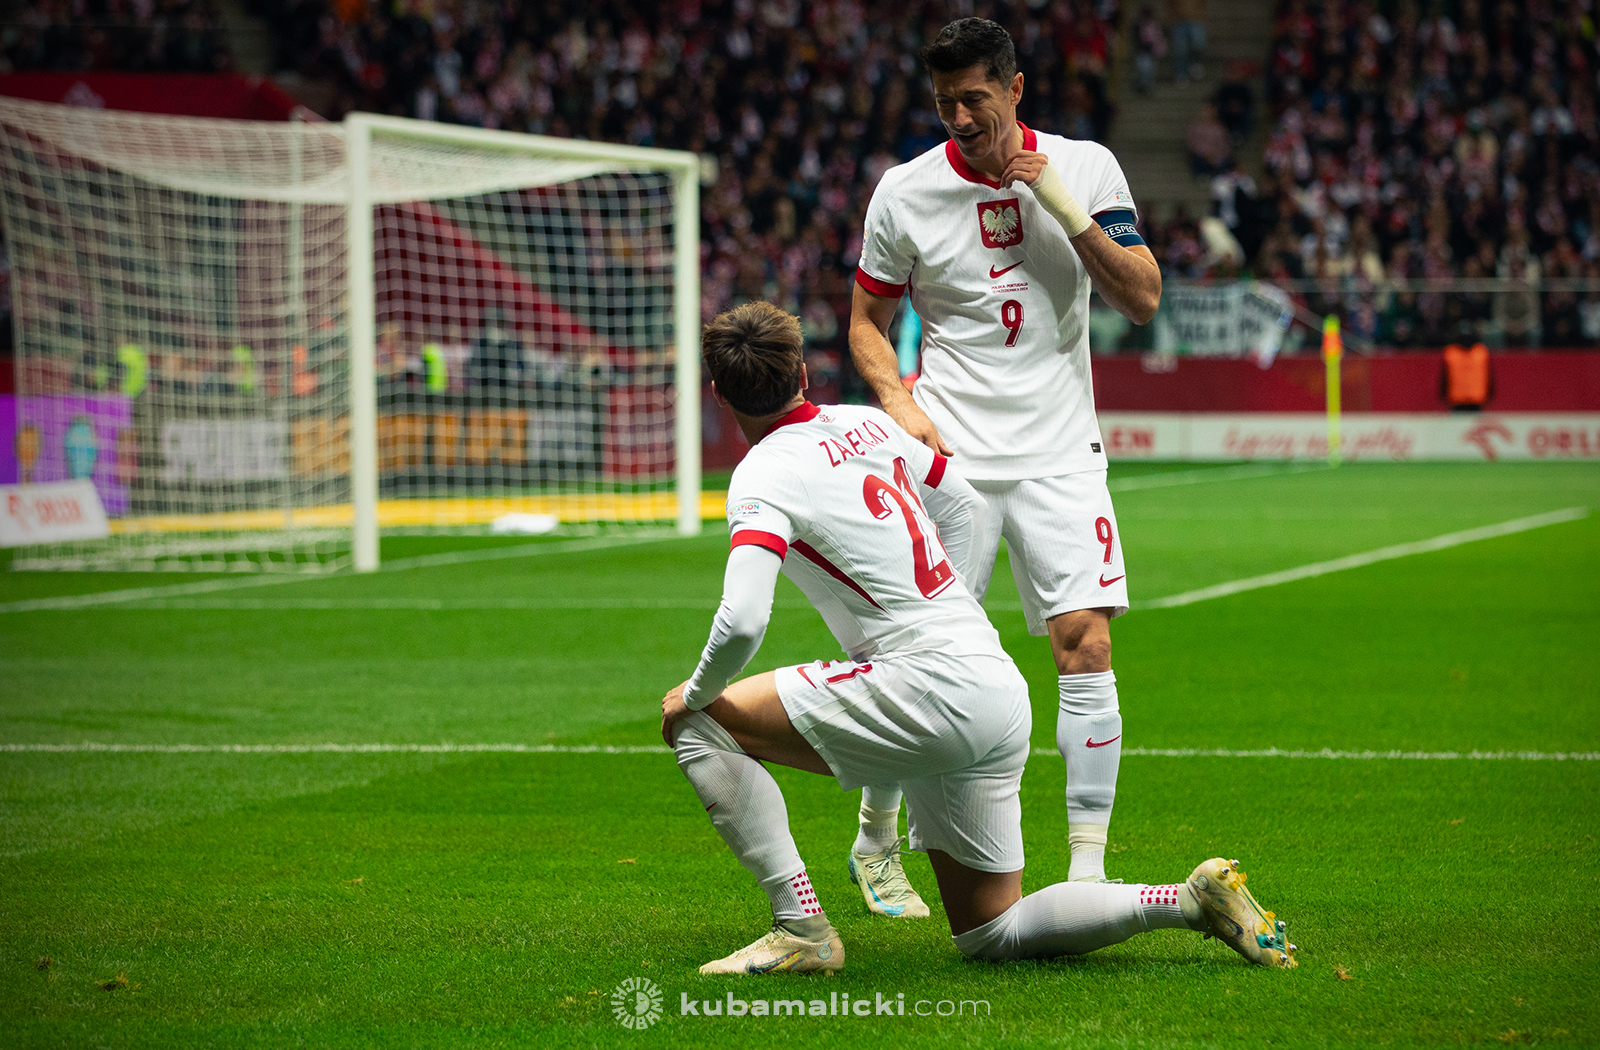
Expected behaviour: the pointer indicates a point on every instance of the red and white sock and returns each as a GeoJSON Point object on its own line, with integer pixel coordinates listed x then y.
{"type": "Point", "coordinates": [1160, 907]}
{"type": "Point", "coordinates": [792, 897]}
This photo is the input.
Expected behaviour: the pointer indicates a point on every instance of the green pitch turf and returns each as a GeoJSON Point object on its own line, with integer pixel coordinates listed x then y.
{"type": "Point", "coordinates": [444, 899]}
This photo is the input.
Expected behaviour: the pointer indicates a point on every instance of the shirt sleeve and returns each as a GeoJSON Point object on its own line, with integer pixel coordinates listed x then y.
{"type": "Point", "coordinates": [748, 585]}
{"type": "Point", "coordinates": [754, 521]}
{"type": "Point", "coordinates": [1111, 192]}
{"type": "Point", "coordinates": [886, 254]}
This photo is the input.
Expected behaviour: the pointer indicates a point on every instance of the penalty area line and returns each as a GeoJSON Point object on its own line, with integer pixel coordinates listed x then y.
{"type": "Point", "coordinates": [88, 747]}
{"type": "Point", "coordinates": [1356, 561]}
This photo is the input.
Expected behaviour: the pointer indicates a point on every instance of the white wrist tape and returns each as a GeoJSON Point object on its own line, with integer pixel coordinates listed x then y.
{"type": "Point", "coordinates": [1056, 199]}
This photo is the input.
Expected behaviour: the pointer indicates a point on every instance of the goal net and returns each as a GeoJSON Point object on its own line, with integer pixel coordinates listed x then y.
{"type": "Point", "coordinates": [266, 342]}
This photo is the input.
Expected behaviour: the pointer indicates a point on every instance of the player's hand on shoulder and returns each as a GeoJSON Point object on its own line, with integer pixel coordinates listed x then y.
{"type": "Point", "coordinates": [1024, 167]}
{"type": "Point", "coordinates": [672, 710]}
{"type": "Point", "coordinates": [914, 421]}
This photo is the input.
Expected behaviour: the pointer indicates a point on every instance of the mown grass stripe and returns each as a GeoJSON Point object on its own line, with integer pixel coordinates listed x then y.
{"type": "Point", "coordinates": [1356, 561]}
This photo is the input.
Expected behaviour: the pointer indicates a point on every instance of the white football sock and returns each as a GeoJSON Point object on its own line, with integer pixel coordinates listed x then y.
{"type": "Point", "coordinates": [1088, 842]}
{"type": "Point", "coordinates": [1075, 918]}
{"type": "Point", "coordinates": [1089, 737]}
{"type": "Point", "coordinates": [880, 818]}
{"type": "Point", "coordinates": [748, 811]}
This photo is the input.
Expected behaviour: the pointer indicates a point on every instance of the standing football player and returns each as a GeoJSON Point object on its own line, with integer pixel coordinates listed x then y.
{"type": "Point", "coordinates": [876, 530]}
{"type": "Point", "coordinates": [998, 236]}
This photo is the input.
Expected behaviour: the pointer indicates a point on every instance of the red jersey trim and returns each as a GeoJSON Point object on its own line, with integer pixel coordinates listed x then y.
{"type": "Point", "coordinates": [936, 472]}
{"type": "Point", "coordinates": [757, 538]}
{"type": "Point", "coordinates": [805, 413]}
{"type": "Point", "coordinates": [814, 556]}
{"type": "Point", "coordinates": [877, 287]}
{"type": "Point", "coordinates": [952, 153]}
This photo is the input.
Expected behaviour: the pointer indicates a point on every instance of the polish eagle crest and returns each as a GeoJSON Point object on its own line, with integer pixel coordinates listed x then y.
{"type": "Point", "coordinates": [1000, 223]}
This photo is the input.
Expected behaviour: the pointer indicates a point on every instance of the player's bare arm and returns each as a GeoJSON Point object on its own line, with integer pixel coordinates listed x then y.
{"type": "Point", "coordinates": [876, 362]}
{"type": "Point", "coordinates": [1126, 277]}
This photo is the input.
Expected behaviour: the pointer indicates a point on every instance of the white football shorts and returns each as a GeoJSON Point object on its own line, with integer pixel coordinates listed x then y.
{"type": "Point", "coordinates": [953, 730]}
{"type": "Point", "coordinates": [1066, 549]}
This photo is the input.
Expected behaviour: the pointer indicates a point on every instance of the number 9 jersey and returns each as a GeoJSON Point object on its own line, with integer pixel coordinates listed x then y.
{"type": "Point", "coordinates": [1004, 303]}
{"type": "Point", "coordinates": [838, 493]}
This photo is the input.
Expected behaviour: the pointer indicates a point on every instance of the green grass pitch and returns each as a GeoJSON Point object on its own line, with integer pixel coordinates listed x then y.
{"type": "Point", "coordinates": [496, 899]}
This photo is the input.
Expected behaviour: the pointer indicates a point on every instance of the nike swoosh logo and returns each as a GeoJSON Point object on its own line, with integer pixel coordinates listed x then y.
{"type": "Point", "coordinates": [1089, 741]}
{"type": "Point", "coordinates": [993, 273]}
{"type": "Point", "coordinates": [1106, 583]}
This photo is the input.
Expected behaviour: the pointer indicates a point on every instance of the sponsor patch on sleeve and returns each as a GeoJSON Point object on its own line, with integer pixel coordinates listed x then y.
{"type": "Point", "coordinates": [1119, 226]}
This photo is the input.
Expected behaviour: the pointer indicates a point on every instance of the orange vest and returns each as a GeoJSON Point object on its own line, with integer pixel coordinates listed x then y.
{"type": "Point", "coordinates": [1466, 374]}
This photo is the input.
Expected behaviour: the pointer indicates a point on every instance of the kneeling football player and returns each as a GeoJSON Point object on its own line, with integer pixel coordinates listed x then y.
{"type": "Point", "coordinates": [876, 530]}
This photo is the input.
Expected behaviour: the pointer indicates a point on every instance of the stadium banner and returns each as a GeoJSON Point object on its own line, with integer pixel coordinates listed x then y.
{"type": "Point", "coordinates": [1488, 436]}
{"type": "Point", "coordinates": [223, 449]}
{"type": "Point", "coordinates": [1405, 381]}
{"type": "Point", "coordinates": [50, 513]}
{"type": "Point", "coordinates": [1232, 320]}
{"type": "Point", "coordinates": [64, 438]}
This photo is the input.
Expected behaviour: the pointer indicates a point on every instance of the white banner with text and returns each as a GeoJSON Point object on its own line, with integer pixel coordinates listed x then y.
{"type": "Point", "coordinates": [51, 513]}
{"type": "Point", "coordinates": [1487, 436]}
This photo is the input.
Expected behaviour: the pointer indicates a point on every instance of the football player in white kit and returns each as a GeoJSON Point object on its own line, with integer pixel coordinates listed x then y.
{"type": "Point", "coordinates": [997, 236]}
{"type": "Point", "coordinates": [878, 532]}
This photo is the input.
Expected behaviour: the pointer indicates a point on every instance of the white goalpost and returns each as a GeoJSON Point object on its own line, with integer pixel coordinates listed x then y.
{"type": "Point", "coordinates": [269, 342]}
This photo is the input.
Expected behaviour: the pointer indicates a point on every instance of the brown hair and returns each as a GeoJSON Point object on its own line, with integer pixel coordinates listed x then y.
{"type": "Point", "coordinates": [753, 355]}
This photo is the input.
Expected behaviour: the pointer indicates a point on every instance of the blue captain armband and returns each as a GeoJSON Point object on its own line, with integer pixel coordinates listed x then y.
{"type": "Point", "coordinates": [1119, 226]}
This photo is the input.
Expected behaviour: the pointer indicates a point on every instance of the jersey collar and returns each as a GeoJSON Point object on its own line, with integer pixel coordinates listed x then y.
{"type": "Point", "coordinates": [952, 152]}
{"type": "Point", "coordinates": [804, 413]}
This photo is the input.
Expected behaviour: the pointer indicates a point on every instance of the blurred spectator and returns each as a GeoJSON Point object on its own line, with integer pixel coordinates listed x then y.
{"type": "Point", "coordinates": [1236, 108]}
{"type": "Point", "coordinates": [1188, 38]}
{"type": "Point", "coordinates": [1210, 148]}
{"type": "Point", "coordinates": [1150, 47]}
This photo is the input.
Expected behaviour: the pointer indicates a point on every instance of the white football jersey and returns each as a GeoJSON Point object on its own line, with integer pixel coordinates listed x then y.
{"type": "Point", "coordinates": [1004, 303]}
{"type": "Point", "coordinates": [833, 491]}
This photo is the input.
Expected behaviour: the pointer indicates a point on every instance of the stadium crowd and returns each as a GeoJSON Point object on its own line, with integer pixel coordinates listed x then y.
{"type": "Point", "coordinates": [1452, 139]}
{"type": "Point", "coordinates": [1405, 138]}
{"type": "Point", "coordinates": [799, 107]}
{"type": "Point", "coordinates": [125, 36]}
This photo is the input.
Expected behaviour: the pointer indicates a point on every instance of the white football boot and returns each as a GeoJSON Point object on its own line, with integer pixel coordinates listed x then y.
{"type": "Point", "coordinates": [883, 883]}
{"type": "Point", "coordinates": [779, 951]}
{"type": "Point", "coordinates": [1234, 917]}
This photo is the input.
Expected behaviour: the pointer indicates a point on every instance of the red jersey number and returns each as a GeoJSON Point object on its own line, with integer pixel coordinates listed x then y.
{"type": "Point", "coordinates": [932, 577]}
{"type": "Point", "coordinates": [1011, 319]}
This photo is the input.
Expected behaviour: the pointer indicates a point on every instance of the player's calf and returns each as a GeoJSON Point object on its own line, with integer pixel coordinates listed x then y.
{"type": "Point", "coordinates": [748, 811]}
{"type": "Point", "coordinates": [1089, 737]}
{"type": "Point", "coordinates": [1074, 918]}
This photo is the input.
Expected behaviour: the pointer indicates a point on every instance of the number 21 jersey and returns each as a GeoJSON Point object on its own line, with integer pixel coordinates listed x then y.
{"type": "Point", "coordinates": [1004, 302]}
{"type": "Point", "coordinates": [834, 492]}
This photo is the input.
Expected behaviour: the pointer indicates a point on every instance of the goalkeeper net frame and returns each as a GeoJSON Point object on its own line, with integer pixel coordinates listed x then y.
{"type": "Point", "coordinates": [266, 341]}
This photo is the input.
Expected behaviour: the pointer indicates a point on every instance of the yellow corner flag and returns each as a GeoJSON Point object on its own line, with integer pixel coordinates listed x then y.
{"type": "Point", "coordinates": [1332, 351]}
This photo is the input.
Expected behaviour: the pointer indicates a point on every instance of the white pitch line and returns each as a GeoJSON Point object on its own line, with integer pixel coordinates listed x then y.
{"type": "Point", "coordinates": [1356, 561]}
{"type": "Point", "coordinates": [233, 583]}
{"type": "Point", "coordinates": [1209, 474]}
{"type": "Point", "coordinates": [658, 749]}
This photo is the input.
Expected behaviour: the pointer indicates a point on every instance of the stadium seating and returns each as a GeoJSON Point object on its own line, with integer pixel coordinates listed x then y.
{"type": "Point", "coordinates": [1449, 140]}
{"type": "Point", "coordinates": [800, 107]}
